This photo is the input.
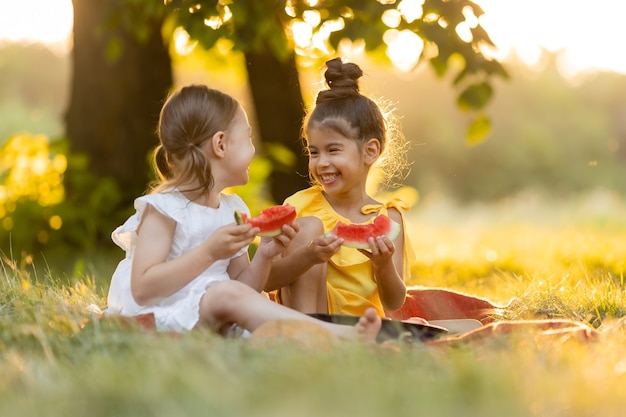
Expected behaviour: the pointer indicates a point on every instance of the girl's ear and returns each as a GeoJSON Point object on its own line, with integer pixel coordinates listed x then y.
{"type": "Point", "coordinates": [371, 150]}
{"type": "Point", "coordinates": [218, 144]}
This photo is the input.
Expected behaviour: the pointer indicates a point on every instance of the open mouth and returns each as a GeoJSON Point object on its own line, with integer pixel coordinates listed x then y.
{"type": "Point", "coordinates": [328, 178]}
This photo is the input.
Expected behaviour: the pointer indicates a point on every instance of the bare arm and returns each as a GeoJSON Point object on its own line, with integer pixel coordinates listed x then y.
{"type": "Point", "coordinates": [292, 265]}
{"type": "Point", "coordinates": [256, 272]}
{"type": "Point", "coordinates": [387, 259]}
{"type": "Point", "coordinates": [153, 276]}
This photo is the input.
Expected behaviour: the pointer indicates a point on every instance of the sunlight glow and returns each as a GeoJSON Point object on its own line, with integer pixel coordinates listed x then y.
{"type": "Point", "coordinates": [587, 34]}
{"type": "Point", "coordinates": [37, 20]}
{"type": "Point", "coordinates": [290, 9]}
{"type": "Point", "coordinates": [302, 33]}
{"type": "Point", "coordinates": [227, 14]}
{"type": "Point", "coordinates": [350, 48]}
{"type": "Point", "coordinates": [411, 9]}
{"type": "Point", "coordinates": [182, 43]}
{"type": "Point", "coordinates": [311, 42]}
{"type": "Point", "coordinates": [431, 17]}
{"type": "Point", "coordinates": [195, 8]}
{"type": "Point", "coordinates": [470, 18]}
{"type": "Point", "coordinates": [391, 18]}
{"type": "Point", "coordinates": [334, 25]}
{"type": "Point", "coordinates": [464, 32]}
{"type": "Point", "coordinates": [403, 48]}
{"type": "Point", "coordinates": [312, 17]}
{"type": "Point", "coordinates": [346, 12]}
{"type": "Point", "coordinates": [214, 22]}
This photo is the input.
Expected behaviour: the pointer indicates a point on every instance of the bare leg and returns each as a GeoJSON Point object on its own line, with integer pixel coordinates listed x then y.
{"type": "Point", "coordinates": [229, 302]}
{"type": "Point", "coordinates": [307, 293]}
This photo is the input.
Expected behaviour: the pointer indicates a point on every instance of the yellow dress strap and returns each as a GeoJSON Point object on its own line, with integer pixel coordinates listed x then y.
{"type": "Point", "coordinates": [371, 208]}
{"type": "Point", "coordinates": [395, 202]}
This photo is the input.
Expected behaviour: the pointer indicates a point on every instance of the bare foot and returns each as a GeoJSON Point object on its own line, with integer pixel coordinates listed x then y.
{"type": "Point", "coordinates": [366, 328]}
{"type": "Point", "coordinates": [369, 325]}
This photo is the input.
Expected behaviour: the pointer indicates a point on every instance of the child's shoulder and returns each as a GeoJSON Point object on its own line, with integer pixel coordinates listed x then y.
{"type": "Point", "coordinates": [234, 202]}
{"type": "Point", "coordinates": [170, 203]}
{"type": "Point", "coordinates": [170, 197]}
{"type": "Point", "coordinates": [305, 197]}
{"type": "Point", "coordinates": [158, 197]}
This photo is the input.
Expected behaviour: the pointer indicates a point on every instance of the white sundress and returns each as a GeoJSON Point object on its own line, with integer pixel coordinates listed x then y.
{"type": "Point", "coordinates": [194, 223]}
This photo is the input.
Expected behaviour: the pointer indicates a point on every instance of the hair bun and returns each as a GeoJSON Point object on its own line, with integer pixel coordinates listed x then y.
{"type": "Point", "coordinates": [343, 77]}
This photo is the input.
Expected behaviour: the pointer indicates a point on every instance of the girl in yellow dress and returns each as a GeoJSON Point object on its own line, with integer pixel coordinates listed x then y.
{"type": "Point", "coordinates": [346, 134]}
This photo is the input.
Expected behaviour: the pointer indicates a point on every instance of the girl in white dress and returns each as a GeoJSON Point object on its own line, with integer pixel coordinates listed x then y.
{"type": "Point", "coordinates": [186, 259]}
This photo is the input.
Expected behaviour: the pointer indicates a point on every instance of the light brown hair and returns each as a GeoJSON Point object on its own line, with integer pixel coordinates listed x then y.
{"type": "Point", "coordinates": [188, 118]}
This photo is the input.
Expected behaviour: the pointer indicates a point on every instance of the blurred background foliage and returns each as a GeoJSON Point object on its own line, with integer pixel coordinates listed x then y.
{"type": "Point", "coordinates": [558, 136]}
{"type": "Point", "coordinates": [550, 134]}
{"type": "Point", "coordinates": [32, 100]}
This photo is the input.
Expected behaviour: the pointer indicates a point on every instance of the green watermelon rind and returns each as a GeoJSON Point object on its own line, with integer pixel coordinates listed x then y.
{"type": "Point", "coordinates": [239, 217]}
{"type": "Point", "coordinates": [394, 231]}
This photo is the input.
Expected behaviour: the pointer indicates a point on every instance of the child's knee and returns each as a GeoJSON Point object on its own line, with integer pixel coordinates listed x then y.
{"type": "Point", "coordinates": [220, 298]}
{"type": "Point", "coordinates": [227, 290]}
{"type": "Point", "coordinates": [310, 227]}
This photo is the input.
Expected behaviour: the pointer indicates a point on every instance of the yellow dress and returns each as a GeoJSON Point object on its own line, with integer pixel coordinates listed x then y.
{"type": "Point", "coordinates": [350, 277]}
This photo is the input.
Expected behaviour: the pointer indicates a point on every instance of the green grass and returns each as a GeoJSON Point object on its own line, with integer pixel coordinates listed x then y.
{"type": "Point", "coordinates": [559, 260]}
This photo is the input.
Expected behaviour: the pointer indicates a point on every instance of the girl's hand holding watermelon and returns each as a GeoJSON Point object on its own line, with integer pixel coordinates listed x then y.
{"type": "Point", "coordinates": [276, 225]}
{"type": "Point", "coordinates": [323, 248]}
{"type": "Point", "coordinates": [226, 241]}
{"type": "Point", "coordinates": [381, 251]}
{"type": "Point", "coordinates": [270, 247]}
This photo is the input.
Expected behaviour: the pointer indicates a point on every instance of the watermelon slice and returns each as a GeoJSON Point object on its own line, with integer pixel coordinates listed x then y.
{"type": "Point", "coordinates": [356, 235]}
{"type": "Point", "coordinates": [270, 220]}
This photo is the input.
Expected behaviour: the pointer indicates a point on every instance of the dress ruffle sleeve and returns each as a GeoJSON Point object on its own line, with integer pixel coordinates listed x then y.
{"type": "Point", "coordinates": [124, 235]}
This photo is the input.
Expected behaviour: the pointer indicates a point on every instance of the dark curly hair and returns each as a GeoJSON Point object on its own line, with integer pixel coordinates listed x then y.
{"type": "Point", "coordinates": [342, 108]}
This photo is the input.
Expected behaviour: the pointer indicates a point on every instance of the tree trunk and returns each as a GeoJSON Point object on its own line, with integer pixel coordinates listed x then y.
{"type": "Point", "coordinates": [278, 103]}
{"type": "Point", "coordinates": [115, 101]}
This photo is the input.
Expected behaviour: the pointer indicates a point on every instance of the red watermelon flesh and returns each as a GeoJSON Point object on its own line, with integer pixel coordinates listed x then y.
{"type": "Point", "coordinates": [356, 235]}
{"type": "Point", "coordinates": [270, 220]}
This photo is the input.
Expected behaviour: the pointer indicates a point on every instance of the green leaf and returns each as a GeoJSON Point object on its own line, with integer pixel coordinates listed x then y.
{"type": "Point", "coordinates": [475, 97]}
{"type": "Point", "coordinates": [478, 130]}
{"type": "Point", "coordinates": [440, 66]}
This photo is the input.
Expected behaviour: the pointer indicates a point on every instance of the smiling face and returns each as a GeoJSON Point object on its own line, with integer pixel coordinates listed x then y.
{"type": "Point", "coordinates": [336, 162]}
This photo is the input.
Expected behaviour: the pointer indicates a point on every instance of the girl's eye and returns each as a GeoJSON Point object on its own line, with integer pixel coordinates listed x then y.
{"type": "Point", "coordinates": [312, 153]}
{"type": "Point", "coordinates": [333, 150]}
